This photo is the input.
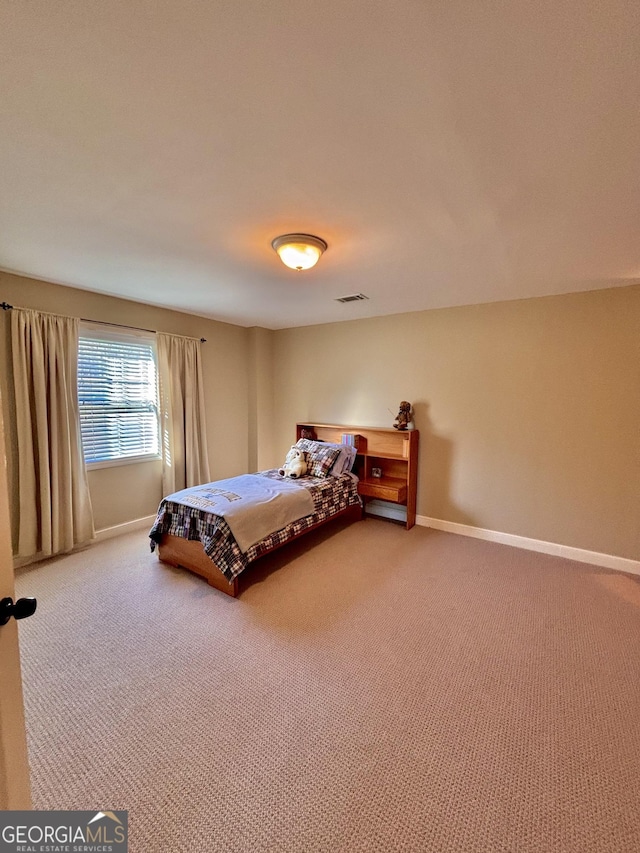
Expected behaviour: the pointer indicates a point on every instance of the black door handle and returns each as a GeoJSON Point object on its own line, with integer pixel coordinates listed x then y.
{"type": "Point", "coordinates": [20, 610]}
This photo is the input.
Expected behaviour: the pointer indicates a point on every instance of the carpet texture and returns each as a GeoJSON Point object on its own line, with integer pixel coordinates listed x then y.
{"type": "Point", "coordinates": [372, 689]}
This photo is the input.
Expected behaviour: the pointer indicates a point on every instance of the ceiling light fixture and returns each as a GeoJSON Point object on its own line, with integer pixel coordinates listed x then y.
{"type": "Point", "coordinates": [299, 251]}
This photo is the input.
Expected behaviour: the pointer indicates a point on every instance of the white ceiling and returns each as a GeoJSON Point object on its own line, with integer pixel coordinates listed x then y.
{"type": "Point", "coordinates": [449, 152]}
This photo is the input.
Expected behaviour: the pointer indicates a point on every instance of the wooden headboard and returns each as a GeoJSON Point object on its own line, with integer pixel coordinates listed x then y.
{"type": "Point", "coordinates": [391, 452]}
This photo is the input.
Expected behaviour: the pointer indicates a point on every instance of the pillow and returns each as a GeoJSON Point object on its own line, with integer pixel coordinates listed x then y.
{"type": "Point", "coordinates": [344, 462]}
{"type": "Point", "coordinates": [320, 456]}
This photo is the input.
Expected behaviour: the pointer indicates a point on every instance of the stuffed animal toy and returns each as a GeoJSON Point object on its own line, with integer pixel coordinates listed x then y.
{"type": "Point", "coordinates": [295, 464]}
{"type": "Point", "coordinates": [404, 416]}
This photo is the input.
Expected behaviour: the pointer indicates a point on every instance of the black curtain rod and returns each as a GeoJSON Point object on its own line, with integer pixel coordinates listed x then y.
{"type": "Point", "coordinates": [6, 307]}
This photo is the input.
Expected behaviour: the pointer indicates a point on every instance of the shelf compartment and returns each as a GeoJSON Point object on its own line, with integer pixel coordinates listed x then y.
{"type": "Point", "coordinates": [393, 468]}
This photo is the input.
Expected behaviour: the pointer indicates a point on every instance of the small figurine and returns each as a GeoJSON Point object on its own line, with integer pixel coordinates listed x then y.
{"type": "Point", "coordinates": [404, 416]}
{"type": "Point", "coordinates": [307, 433]}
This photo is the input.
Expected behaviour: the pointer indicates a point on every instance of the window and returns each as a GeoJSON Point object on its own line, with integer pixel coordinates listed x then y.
{"type": "Point", "coordinates": [117, 396]}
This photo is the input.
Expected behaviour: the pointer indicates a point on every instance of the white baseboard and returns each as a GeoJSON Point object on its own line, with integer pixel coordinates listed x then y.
{"type": "Point", "coordinates": [607, 561]}
{"type": "Point", "coordinates": [127, 527]}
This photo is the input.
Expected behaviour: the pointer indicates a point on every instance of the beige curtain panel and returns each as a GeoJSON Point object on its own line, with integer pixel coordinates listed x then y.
{"type": "Point", "coordinates": [55, 506]}
{"type": "Point", "coordinates": [185, 461]}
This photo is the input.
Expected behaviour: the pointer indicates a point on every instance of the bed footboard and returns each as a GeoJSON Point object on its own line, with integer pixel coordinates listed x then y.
{"type": "Point", "coordinates": [189, 554]}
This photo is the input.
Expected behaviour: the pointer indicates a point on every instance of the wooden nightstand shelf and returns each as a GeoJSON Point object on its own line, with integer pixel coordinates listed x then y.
{"type": "Point", "coordinates": [394, 453]}
{"type": "Point", "coordinates": [385, 489]}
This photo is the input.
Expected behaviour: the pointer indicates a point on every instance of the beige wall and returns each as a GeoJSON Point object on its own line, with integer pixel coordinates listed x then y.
{"type": "Point", "coordinates": [127, 492]}
{"type": "Point", "coordinates": [529, 411]}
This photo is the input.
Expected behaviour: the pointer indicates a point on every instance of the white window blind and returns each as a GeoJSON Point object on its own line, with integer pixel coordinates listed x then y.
{"type": "Point", "coordinates": [117, 396]}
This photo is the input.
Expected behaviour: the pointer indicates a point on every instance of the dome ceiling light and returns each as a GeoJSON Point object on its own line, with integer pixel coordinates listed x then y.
{"type": "Point", "coordinates": [299, 251]}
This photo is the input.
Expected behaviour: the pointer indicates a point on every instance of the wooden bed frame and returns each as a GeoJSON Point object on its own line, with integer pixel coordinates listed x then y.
{"type": "Point", "coordinates": [189, 554]}
{"type": "Point", "coordinates": [396, 450]}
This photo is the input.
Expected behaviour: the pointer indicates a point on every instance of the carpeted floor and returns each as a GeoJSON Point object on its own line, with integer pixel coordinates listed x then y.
{"type": "Point", "coordinates": [372, 689]}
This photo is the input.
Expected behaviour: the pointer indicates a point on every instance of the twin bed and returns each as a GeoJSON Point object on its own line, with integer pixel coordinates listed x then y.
{"type": "Point", "coordinates": [218, 529]}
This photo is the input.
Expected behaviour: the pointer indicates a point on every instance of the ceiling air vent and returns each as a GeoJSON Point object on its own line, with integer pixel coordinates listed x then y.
{"type": "Point", "coordinates": [354, 297]}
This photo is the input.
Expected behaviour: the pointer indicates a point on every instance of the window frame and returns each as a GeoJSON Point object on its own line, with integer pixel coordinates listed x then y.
{"type": "Point", "coordinates": [105, 332]}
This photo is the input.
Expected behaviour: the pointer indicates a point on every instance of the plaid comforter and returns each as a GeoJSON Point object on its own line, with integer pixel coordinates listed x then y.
{"type": "Point", "coordinates": [330, 496]}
